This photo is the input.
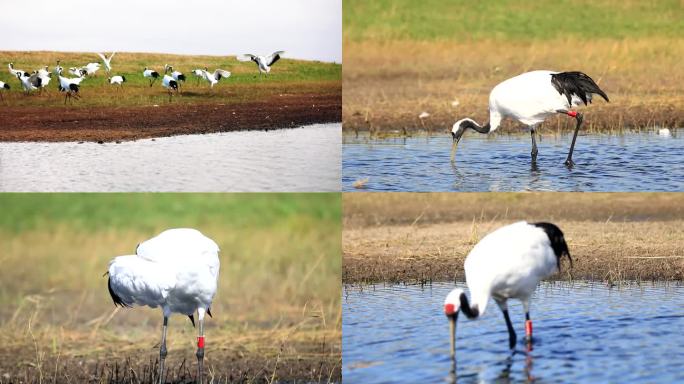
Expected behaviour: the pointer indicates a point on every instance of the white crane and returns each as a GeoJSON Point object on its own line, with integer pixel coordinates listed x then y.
{"type": "Point", "coordinates": [199, 73]}
{"type": "Point", "coordinates": [107, 61]}
{"type": "Point", "coordinates": [151, 74]}
{"type": "Point", "coordinates": [4, 87]}
{"type": "Point", "coordinates": [178, 76]}
{"type": "Point", "coordinates": [78, 72]}
{"type": "Point", "coordinates": [15, 72]}
{"type": "Point", "coordinates": [30, 82]}
{"type": "Point", "coordinates": [263, 62]}
{"type": "Point", "coordinates": [531, 98]}
{"type": "Point", "coordinates": [91, 68]}
{"type": "Point", "coordinates": [170, 84]}
{"type": "Point", "coordinates": [214, 77]}
{"type": "Point", "coordinates": [178, 271]}
{"type": "Point", "coordinates": [507, 264]}
{"type": "Point", "coordinates": [58, 68]}
{"type": "Point", "coordinates": [69, 86]}
{"type": "Point", "coordinates": [118, 80]}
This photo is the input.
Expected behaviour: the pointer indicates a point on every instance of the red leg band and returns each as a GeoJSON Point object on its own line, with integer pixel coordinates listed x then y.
{"type": "Point", "coordinates": [200, 341]}
{"type": "Point", "coordinates": [528, 327]}
{"type": "Point", "coordinates": [572, 113]}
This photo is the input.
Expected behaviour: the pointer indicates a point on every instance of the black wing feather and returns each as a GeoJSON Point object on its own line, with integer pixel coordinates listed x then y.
{"type": "Point", "coordinates": [117, 300]}
{"type": "Point", "coordinates": [576, 83]}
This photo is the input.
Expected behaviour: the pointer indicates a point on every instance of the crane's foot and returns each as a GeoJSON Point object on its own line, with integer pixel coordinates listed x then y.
{"type": "Point", "coordinates": [569, 163]}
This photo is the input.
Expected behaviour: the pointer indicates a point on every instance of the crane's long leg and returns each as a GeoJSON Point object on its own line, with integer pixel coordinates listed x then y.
{"type": "Point", "coordinates": [579, 117]}
{"type": "Point", "coordinates": [162, 350]}
{"type": "Point", "coordinates": [512, 337]}
{"type": "Point", "coordinates": [534, 145]}
{"type": "Point", "coordinates": [528, 323]}
{"type": "Point", "coordinates": [200, 345]}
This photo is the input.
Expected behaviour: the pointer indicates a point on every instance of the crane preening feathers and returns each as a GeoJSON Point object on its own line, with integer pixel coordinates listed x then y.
{"type": "Point", "coordinates": [176, 270]}
{"type": "Point", "coordinates": [531, 98]}
{"type": "Point", "coordinates": [507, 264]}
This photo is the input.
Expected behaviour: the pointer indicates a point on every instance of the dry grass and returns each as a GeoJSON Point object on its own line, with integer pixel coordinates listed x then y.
{"type": "Point", "coordinates": [426, 237]}
{"type": "Point", "coordinates": [388, 84]}
{"type": "Point", "coordinates": [288, 77]}
{"type": "Point", "coordinates": [277, 313]}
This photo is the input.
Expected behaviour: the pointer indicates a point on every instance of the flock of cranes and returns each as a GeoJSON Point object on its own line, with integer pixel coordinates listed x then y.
{"type": "Point", "coordinates": [171, 79]}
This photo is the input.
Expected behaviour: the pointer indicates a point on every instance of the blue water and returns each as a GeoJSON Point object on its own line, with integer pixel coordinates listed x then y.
{"type": "Point", "coordinates": [632, 161]}
{"type": "Point", "coordinates": [584, 332]}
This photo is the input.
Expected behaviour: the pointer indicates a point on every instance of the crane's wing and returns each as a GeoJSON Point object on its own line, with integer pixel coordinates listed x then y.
{"type": "Point", "coordinates": [219, 73]}
{"type": "Point", "coordinates": [178, 244]}
{"type": "Point", "coordinates": [275, 56]}
{"type": "Point", "coordinates": [102, 57]}
{"type": "Point", "coordinates": [246, 57]}
{"type": "Point", "coordinates": [133, 280]}
{"type": "Point", "coordinates": [112, 56]}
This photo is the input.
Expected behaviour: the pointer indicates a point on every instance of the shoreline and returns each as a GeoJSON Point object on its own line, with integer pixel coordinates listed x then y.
{"type": "Point", "coordinates": [105, 124]}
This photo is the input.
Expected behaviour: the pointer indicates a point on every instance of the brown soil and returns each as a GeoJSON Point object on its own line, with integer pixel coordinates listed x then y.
{"type": "Point", "coordinates": [419, 238]}
{"type": "Point", "coordinates": [132, 123]}
{"type": "Point", "coordinates": [238, 366]}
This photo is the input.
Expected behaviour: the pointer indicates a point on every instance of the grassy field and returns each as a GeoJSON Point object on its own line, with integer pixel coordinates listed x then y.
{"type": "Point", "coordinates": [403, 58]}
{"type": "Point", "coordinates": [276, 315]}
{"type": "Point", "coordinates": [419, 238]}
{"type": "Point", "coordinates": [244, 84]}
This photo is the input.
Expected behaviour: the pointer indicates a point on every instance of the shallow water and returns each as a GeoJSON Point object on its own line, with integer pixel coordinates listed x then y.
{"type": "Point", "coordinates": [626, 162]}
{"type": "Point", "coordinates": [300, 159]}
{"type": "Point", "coordinates": [584, 332]}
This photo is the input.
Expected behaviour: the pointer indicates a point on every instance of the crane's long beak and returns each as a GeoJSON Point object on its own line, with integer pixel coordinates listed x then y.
{"type": "Point", "coordinates": [452, 332]}
{"type": "Point", "coordinates": [454, 145]}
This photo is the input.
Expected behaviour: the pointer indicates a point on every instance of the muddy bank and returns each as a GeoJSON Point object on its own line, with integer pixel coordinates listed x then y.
{"type": "Point", "coordinates": [132, 123]}
{"type": "Point", "coordinates": [21, 365]}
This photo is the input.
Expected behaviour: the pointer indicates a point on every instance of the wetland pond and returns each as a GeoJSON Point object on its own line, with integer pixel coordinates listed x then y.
{"type": "Point", "coordinates": [630, 161]}
{"type": "Point", "coordinates": [584, 332]}
{"type": "Point", "coordinates": [297, 159]}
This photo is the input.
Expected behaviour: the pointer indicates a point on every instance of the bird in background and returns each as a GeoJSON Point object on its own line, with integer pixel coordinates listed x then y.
{"type": "Point", "coordinates": [151, 74]}
{"type": "Point", "coordinates": [214, 77]}
{"type": "Point", "coordinates": [117, 80]}
{"type": "Point", "coordinates": [4, 87]}
{"type": "Point", "coordinates": [507, 264]}
{"type": "Point", "coordinates": [176, 271]}
{"type": "Point", "coordinates": [531, 98]}
{"type": "Point", "coordinates": [15, 72]}
{"type": "Point", "coordinates": [264, 63]}
{"type": "Point", "coordinates": [107, 61]}
{"type": "Point", "coordinates": [178, 76]}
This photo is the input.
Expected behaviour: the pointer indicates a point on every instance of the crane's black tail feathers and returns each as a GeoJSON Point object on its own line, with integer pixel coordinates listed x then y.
{"type": "Point", "coordinates": [560, 247]}
{"type": "Point", "coordinates": [576, 83]}
{"type": "Point", "coordinates": [192, 319]}
{"type": "Point", "coordinates": [115, 298]}
{"type": "Point", "coordinates": [209, 312]}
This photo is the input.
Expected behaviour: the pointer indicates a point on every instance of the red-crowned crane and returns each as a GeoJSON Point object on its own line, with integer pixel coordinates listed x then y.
{"type": "Point", "coordinates": [214, 77]}
{"type": "Point", "coordinates": [151, 74]}
{"type": "Point", "coordinates": [4, 87]}
{"type": "Point", "coordinates": [107, 61]}
{"type": "Point", "coordinates": [507, 264]}
{"type": "Point", "coordinates": [178, 271]}
{"type": "Point", "coordinates": [170, 84]}
{"type": "Point", "coordinates": [264, 63]}
{"type": "Point", "coordinates": [67, 85]}
{"type": "Point", "coordinates": [531, 98]}
{"type": "Point", "coordinates": [117, 80]}
{"type": "Point", "coordinates": [178, 76]}
{"type": "Point", "coordinates": [15, 72]}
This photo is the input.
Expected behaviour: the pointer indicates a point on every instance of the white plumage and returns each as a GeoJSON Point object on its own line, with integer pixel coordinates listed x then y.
{"type": "Point", "coordinates": [118, 80]}
{"type": "Point", "coordinates": [15, 72]}
{"type": "Point", "coordinates": [91, 68]}
{"type": "Point", "coordinates": [4, 87]}
{"type": "Point", "coordinates": [151, 74]}
{"type": "Point", "coordinates": [531, 98]}
{"type": "Point", "coordinates": [30, 82]}
{"type": "Point", "coordinates": [107, 61]}
{"type": "Point", "coordinates": [508, 264]}
{"type": "Point", "coordinates": [69, 86]}
{"type": "Point", "coordinates": [264, 63]}
{"type": "Point", "coordinates": [214, 77]}
{"type": "Point", "coordinates": [199, 73]}
{"type": "Point", "coordinates": [177, 270]}
{"type": "Point", "coordinates": [170, 84]}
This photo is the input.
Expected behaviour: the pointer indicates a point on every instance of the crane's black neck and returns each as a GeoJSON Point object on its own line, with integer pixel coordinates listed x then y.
{"type": "Point", "coordinates": [475, 127]}
{"type": "Point", "coordinates": [470, 312]}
